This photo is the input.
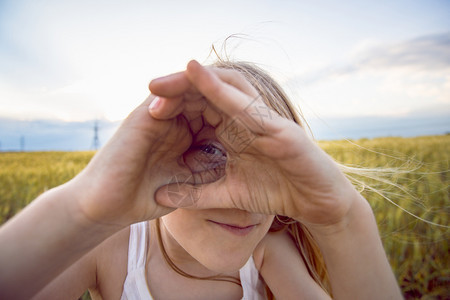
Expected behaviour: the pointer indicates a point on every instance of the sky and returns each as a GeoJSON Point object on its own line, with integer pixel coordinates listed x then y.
{"type": "Point", "coordinates": [76, 61]}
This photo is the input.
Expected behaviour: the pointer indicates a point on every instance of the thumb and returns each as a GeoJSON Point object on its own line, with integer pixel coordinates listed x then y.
{"type": "Point", "coordinates": [182, 194]}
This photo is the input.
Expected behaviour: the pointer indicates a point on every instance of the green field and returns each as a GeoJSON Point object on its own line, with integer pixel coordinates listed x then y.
{"type": "Point", "coordinates": [417, 246]}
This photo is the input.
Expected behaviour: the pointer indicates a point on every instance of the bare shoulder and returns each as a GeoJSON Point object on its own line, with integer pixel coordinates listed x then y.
{"type": "Point", "coordinates": [91, 272]}
{"type": "Point", "coordinates": [269, 245]}
{"type": "Point", "coordinates": [283, 269]}
{"type": "Point", "coordinates": [111, 261]}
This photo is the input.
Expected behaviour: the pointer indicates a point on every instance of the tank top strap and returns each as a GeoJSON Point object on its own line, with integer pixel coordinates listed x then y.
{"type": "Point", "coordinates": [137, 246]}
{"type": "Point", "coordinates": [253, 287]}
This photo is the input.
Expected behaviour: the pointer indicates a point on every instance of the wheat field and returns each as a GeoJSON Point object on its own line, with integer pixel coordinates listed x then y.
{"type": "Point", "coordinates": [410, 198]}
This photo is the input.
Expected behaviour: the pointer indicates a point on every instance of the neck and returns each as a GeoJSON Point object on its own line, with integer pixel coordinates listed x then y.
{"type": "Point", "coordinates": [175, 254]}
{"type": "Point", "coordinates": [181, 261]}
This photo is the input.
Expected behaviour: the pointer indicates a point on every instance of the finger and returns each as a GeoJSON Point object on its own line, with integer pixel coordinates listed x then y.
{"type": "Point", "coordinates": [193, 109]}
{"type": "Point", "coordinates": [178, 83]}
{"type": "Point", "coordinates": [212, 116]}
{"type": "Point", "coordinates": [244, 108]}
{"type": "Point", "coordinates": [198, 103]}
{"type": "Point", "coordinates": [235, 79]}
{"type": "Point", "coordinates": [193, 106]}
{"type": "Point", "coordinates": [170, 86]}
{"type": "Point", "coordinates": [196, 124]}
{"type": "Point", "coordinates": [182, 194]}
{"type": "Point", "coordinates": [166, 108]}
{"type": "Point", "coordinates": [216, 90]}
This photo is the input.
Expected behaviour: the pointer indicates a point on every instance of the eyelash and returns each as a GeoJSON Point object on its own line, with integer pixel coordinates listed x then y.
{"type": "Point", "coordinates": [207, 160]}
{"type": "Point", "coordinates": [206, 149]}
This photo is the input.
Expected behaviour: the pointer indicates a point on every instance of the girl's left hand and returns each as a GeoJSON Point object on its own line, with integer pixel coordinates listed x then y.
{"type": "Point", "coordinates": [272, 166]}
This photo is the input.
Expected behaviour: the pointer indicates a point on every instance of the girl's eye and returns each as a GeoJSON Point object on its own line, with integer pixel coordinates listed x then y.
{"type": "Point", "coordinates": [211, 150]}
{"type": "Point", "coordinates": [206, 161]}
{"type": "Point", "coordinates": [205, 156]}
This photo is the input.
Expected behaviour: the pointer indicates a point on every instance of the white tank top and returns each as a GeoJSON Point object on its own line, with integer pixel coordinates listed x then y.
{"type": "Point", "coordinates": [136, 288]}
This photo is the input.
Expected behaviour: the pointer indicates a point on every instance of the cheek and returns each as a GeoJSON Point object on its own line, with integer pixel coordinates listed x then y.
{"type": "Point", "coordinates": [266, 223]}
{"type": "Point", "coordinates": [181, 224]}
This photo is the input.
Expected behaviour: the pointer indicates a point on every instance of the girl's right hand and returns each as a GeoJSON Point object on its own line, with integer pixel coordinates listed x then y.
{"type": "Point", "coordinates": [118, 186]}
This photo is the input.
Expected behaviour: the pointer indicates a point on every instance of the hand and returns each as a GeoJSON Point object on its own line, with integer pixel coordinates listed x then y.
{"type": "Point", "coordinates": [118, 185]}
{"type": "Point", "coordinates": [272, 166]}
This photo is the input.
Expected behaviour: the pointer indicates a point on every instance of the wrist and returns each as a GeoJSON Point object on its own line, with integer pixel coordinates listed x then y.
{"type": "Point", "coordinates": [358, 216]}
{"type": "Point", "coordinates": [78, 198]}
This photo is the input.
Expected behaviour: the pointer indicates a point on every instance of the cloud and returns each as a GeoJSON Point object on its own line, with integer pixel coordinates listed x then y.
{"type": "Point", "coordinates": [396, 79]}
{"type": "Point", "coordinates": [424, 54]}
{"type": "Point", "coordinates": [428, 53]}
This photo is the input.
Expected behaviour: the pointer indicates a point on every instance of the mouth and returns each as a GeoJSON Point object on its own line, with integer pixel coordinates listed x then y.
{"type": "Point", "coordinates": [235, 229]}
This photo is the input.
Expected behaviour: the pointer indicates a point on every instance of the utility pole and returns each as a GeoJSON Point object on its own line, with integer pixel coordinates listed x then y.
{"type": "Point", "coordinates": [95, 141]}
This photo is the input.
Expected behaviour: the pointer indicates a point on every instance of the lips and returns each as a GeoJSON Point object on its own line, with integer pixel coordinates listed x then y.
{"type": "Point", "coordinates": [235, 229]}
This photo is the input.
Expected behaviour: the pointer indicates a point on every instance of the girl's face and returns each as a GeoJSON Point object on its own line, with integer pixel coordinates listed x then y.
{"type": "Point", "coordinates": [222, 240]}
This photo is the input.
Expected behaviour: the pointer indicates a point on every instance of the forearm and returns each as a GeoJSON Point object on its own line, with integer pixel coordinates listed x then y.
{"type": "Point", "coordinates": [43, 240]}
{"type": "Point", "coordinates": [357, 264]}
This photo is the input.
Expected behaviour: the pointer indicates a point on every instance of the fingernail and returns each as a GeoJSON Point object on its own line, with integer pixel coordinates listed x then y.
{"type": "Point", "coordinates": [155, 103]}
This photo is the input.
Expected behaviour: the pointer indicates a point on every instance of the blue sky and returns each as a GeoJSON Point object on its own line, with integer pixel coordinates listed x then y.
{"type": "Point", "coordinates": [84, 60]}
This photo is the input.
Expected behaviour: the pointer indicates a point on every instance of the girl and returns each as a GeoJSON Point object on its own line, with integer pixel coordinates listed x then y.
{"type": "Point", "coordinates": [227, 196]}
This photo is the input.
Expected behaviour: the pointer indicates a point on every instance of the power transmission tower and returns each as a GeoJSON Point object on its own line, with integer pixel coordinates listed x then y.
{"type": "Point", "coordinates": [95, 141]}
